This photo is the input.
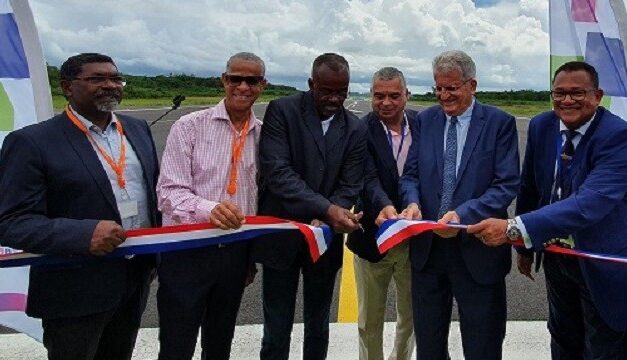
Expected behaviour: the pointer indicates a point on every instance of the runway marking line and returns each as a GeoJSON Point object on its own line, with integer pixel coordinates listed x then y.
{"type": "Point", "coordinates": [347, 309]}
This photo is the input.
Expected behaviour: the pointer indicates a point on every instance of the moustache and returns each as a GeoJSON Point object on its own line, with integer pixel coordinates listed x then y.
{"type": "Point", "coordinates": [113, 93]}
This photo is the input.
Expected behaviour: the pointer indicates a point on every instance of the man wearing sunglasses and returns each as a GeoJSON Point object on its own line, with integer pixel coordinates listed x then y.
{"type": "Point", "coordinates": [574, 194]}
{"type": "Point", "coordinates": [311, 154]}
{"type": "Point", "coordinates": [209, 174]}
{"type": "Point", "coordinates": [71, 186]}
{"type": "Point", "coordinates": [463, 167]}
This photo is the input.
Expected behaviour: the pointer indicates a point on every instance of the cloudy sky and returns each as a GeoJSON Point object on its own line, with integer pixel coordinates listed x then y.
{"type": "Point", "coordinates": [507, 38]}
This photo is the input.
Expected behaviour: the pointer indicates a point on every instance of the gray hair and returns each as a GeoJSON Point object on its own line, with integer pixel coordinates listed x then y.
{"type": "Point", "coordinates": [455, 60]}
{"type": "Point", "coordinates": [246, 56]}
{"type": "Point", "coordinates": [388, 73]}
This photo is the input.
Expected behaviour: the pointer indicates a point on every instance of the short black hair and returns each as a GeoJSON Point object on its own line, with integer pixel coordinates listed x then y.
{"type": "Point", "coordinates": [74, 64]}
{"type": "Point", "coordinates": [334, 61]}
{"type": "Point", "coordinates": [579, 66]}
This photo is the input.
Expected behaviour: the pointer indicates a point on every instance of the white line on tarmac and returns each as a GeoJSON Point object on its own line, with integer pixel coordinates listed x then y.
{"type": "Point", "coordinates": [525, 340]}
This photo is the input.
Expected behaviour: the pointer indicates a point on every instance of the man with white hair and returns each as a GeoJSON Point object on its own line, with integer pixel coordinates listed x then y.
{"type": "Point", "coordinates": [463, 167]}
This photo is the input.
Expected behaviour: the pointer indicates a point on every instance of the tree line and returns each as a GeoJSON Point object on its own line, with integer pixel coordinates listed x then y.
{"type": "Point", "coordinates": [166, 86]}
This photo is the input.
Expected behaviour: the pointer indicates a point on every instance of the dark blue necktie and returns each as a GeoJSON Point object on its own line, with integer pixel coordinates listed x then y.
{"type": "Point", "coordinates": [449, 176]}
{"type": "Point", "coordinates": [566, 158]}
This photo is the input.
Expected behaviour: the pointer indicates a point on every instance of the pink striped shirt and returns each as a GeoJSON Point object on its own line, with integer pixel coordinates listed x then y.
{"type": "Point", "coordinates": [196, 163]}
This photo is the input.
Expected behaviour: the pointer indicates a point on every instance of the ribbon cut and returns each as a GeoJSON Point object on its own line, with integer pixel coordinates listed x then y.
{"type": "Point", "coordinates": [182, 237]}
{"type": "Point", "coordinates": [393, 232]}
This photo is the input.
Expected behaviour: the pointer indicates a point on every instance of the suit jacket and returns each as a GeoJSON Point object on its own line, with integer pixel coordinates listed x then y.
{"type": "Point", "coordinates": [381, 187]}
{"type": "Point", "coordinates": [54, 192]}
{"type": "Point", "coordinates": [487, 181]}
{"type": "Point", "coordinates": [595, 213]}
{"type": "Point", "coordinates": [303, 172]}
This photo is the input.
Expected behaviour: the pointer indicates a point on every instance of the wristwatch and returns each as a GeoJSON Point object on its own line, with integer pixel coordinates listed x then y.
{"type": "Point", "coordinates": [513, 232]}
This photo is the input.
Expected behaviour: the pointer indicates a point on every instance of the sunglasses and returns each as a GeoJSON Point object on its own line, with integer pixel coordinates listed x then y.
{"type": "Point", "coordinates": [236, 80]}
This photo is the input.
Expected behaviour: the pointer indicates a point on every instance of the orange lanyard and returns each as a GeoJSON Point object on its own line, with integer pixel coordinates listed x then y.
{"type": "Point", "coordinates": [236, 150]}
{"type": "Point", "coordinates": [118, 167]}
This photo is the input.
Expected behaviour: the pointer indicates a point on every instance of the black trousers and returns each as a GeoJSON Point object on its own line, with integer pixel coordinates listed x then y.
{"type": "Point", "coordinates": [200, 288]}
{"type": "Point", "coordinates": [577, 330]}
{"type": "Point", "coordinates": [101, 336]}
{"type": "Point", "coordinates": [482, 308]}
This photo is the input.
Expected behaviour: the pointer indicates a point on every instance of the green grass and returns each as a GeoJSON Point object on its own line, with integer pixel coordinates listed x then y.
{"type": "Point", "coordinates": [58, 102]}
{"type": "Point", "coordinates": [515, 107]}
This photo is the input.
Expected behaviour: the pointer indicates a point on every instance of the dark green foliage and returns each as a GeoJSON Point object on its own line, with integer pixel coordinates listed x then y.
{"type": "Point", "coordinates": [162, 86]}
{"type": "Point", "coordinates": [487, 96]}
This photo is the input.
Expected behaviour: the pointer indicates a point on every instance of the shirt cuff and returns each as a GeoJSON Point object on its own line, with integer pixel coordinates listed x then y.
{"type": "Point", "coordinates": [523, 231]}
{"type": "Point", "coordinates": [203, 210]}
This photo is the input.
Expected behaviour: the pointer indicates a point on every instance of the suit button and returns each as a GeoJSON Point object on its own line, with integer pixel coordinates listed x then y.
{"type": "Point", "coordinates": [321, 169]}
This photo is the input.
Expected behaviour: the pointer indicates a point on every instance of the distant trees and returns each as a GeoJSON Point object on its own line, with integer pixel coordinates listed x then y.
{"type": "Point", "coordinates": [509, 95]}
{"type": "Point", "coordinates": [166, 86]}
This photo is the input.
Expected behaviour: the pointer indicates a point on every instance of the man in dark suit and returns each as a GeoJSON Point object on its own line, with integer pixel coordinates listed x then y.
{"type": "Point", "coordinates": [390, 128]}
{"type": "Point", "coordinates": [574, 193]}
{"type": "Point", "coordinates": [311, 154]}
{"type": "Point", "coordinates": [462, 167]}
{"type": "Point", "coordinates": [70, 186]}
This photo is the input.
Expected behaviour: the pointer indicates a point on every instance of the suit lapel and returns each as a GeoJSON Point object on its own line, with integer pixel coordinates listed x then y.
{"type": "Point", "coordinates": [438, 121]}
{"type": "Point", "coordinates": [312, 122]}
{"type": "Point", "coordinates": [134, 139]}
{"type": "Point", "coordinates": [336, 130]}
{"type": "Point", "coordinates": [87, 154]}
{"type": "Point", "coordinates": [552, 142]}
{"type": "Point", "coordinates": [382, 145]}
{"type": "Point", "coordinates": [477, 120]}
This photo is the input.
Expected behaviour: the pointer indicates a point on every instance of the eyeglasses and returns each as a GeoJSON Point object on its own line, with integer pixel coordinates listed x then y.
{"type": "Point", "coordinates": [450, 89]}
{"type": "Point", "coordinates": [100, 80]}
{"type": "Point", "coordinates": [326, 93]}
{"type": "Point", "coordinates": [576, 95]}
{"type": "Point", "coordinates": [236, 80]}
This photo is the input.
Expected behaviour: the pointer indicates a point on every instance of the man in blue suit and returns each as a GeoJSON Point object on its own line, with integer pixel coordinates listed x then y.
{"type": "Point", "coordinates": [390, 127]}
{"type": "Point", "coordinates": [462, 167]}
{"type": "Point", "coordinates": [574, 193]}
{"type": "Point", "coordinates": [70, 186]}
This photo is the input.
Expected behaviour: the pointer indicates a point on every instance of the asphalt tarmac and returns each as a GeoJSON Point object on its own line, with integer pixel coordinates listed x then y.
{"type": "Point", "coordinates": [526, 299]}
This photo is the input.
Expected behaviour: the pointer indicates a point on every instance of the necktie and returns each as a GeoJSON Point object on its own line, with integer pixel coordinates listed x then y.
{"type": "Point", "coordinates": [449, 176]}
{"type": "Point", "coordinates": [566, 157]}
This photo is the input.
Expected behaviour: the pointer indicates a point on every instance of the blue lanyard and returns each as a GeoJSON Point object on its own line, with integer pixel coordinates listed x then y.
{"type": "Point", "coordinates": [400, 147]}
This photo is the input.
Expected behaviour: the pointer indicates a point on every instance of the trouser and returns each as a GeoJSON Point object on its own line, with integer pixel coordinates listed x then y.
{"type": "Point", "coordinates": [200, 288]}
{"type": "Point", "coordinates": [101, 336]}
{"type": "Point", "coordinates": [482, 308]}
{"type": "Point", "coordinates": [577, 330]}
{"type": "Point", "coordinates": [279, 301]}
{"type": "Point", "coordinates": [372, 280]}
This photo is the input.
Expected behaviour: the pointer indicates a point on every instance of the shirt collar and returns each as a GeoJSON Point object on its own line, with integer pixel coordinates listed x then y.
{"type": "Point", "coordinates": [90, 125]}
{"type": "Point", "coordinates": [582, 129]}
{"type": "Point", "coordinates": [221, 114]}
{"type": "Point", "coordinates": [465, 116]}
{"type": "Point", "coordinates": [404, 124]}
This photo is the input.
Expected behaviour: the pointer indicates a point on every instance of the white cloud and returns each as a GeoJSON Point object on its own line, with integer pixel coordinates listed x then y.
{"type": "Point", "coordinates": [508, 41]}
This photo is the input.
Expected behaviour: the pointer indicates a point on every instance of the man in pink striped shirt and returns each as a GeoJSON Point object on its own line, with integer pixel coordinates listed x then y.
{"type": "Point", "coordinates": [208, 173]}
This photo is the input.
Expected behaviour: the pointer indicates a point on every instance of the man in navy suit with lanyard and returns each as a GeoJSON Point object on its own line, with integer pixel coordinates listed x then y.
{"type": "Point", "coordinates": [390, 127]}
{"type": "Point", "coordinates": [71, 186]}
{"type": "Point", "coordinates": [574, 193]}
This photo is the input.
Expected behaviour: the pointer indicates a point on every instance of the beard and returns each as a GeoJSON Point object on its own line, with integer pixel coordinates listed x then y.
{"type": "Point", "coordinates": [109, 101]}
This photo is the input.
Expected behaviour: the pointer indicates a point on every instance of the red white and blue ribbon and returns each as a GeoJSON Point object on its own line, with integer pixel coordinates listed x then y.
{"type": "Point", "coordinates": [182, 237]}
{"type": "Point", "coordinates": [393, 232]}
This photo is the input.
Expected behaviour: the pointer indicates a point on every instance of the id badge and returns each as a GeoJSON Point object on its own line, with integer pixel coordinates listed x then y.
{"type": "Point", "coordinates": [128, 208]}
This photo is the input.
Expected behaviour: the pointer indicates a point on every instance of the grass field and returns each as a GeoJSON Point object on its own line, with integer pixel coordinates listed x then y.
{"type": "Point", "coordinates": [514, 107]}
